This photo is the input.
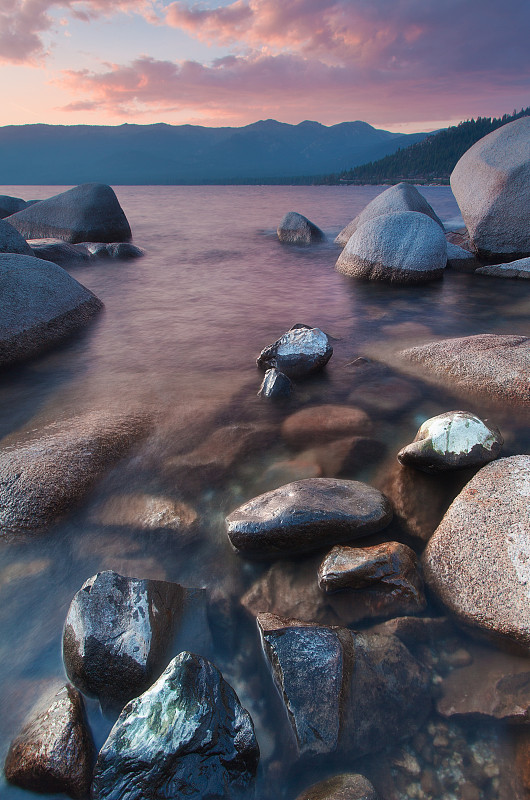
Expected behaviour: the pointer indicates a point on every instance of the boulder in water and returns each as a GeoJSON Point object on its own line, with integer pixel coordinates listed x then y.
{"type": "Point", "coordinates": [11, 241]}
{"type": "Point", "coordinates": [58, 252]}
{"type": "Point", "coordinates": [297, 229]}
{"type": "Point", "coordinates": [324, 424]}
{"type": "Point", "coordinates": [300, 352]}
{"type": "Point", "coordinates": [513, 269]}
{"type": "Point", "coordinates": [460, 259]}
{"type": "Point", "coordinates": [275, 385]}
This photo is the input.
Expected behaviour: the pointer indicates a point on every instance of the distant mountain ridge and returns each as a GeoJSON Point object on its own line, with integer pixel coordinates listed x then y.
{"type": "Point", "coordinates": [175, 154]}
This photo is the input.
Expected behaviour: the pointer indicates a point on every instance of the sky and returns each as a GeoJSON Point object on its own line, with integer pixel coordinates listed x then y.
{"type": "Point", "coordinates": [401, 65]}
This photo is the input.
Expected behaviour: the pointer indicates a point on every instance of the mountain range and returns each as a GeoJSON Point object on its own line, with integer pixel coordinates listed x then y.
{"type": "Point", "coordinates": [180, 154]}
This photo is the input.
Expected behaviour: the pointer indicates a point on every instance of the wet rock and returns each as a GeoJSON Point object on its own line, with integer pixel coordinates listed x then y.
{"type": "Point", "coordinates": [297, 229]}
{"type": "Point", "coordinates": [10, 205]}
{"type": "Point", "coordinates": [514, 269]}
{"type": "Point", "coordinates": [46, 471]}
{"type": "Point", "coordinates": [87, 213]}
{"type": "Point", "coordinates": [42, 305]}
{"type": "Point", "coordinates": [414, 630]}
{"type": "Point", "coordinates": [488, 364]}
{"type": "Point", "coordinates": [187, 735]}
{"type": "Point", "coordinates": [406, 248]}
{"type": "Point", "coordinates": [345, 693]}
{"type": "Point", "coordinates": [383, 577]}
{"type": "Point", "coordinates": [11, 241]}
{"type": "Point", "coordinates": [57, 251]}
{"type": "Point", "coordinates": [343, 457]}
{"type": "Point", "coordinates": [453, 440]}
{"type": "Point", "coordinates": [300, 352]}
{"type": "Point", "coordinates": [275, 385]}
{"type": "Point", "coordinates": [146, 512]}
{"type": "Point", "coordinates": [113, 250]}
{"type": "Point", "coordinates": [348, 786]}
{"type": "Point", "coordinates": [460, 259]}
{"type": "Point", "coordinates": [307, 515]}
{"type": "Point", "coordinates": [491, 184]}
{"type": "Point", "coordinates": [496, 685]}
{"type": "Point", "coordinates": [54, 750]}
{"type": "Point", "coordinates": [394, 200]}
{"type": "Point", "coordinates": [119, 631]}
{"type": "Point", "coordinates": [322, 424]}
{"type": "Point", "coordinates": [477, 561]}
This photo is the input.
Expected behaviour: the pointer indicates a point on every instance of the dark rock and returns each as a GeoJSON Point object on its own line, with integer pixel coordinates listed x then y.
{"type": "Point", "coordinates": [10, 205]}
{"type": "Point", "coordinates": [453, 440]}
{"type": "Point", "coordinates": [54, 751]}
{"type": "Point", "coordinates": [119, 632]}
{"type": "Point", "coordinates": [187, 736]}
{"type": "Point", "coordinates": [488, 364]}
{"type": "Point", "coordinates": [41, 306]}
{"type": "Point", "coordinates": [394, 200]}
{"type": "Point", "coordinates": [275, 385]}
{"type": "Point", "coordinates": [460, 259]}
{"type": "Point", "coordinates": [44, 473]}
{"type": "Point", "coordinates": [407, 248]}
{"type": "Point", "coordinates": [348, 786]}
{"type": "Point", "coordinates": [300, 352]}
{"type": "Point", "coordinates": [345, 693]}
{"type": "Point", "coordinates": [384, 578]}
{"type": "Point", "coordinates": [307, 515]}
{"type": "Point", "coordinates": [297, 229]}
{"type": "Point", "coordinates": [323, 424]}
{"type": "Point", "coordinates": [514, 269]}
{"type": "Point", "coordinates": [58, 252]}
{"type": "Point", "coordinates": [86, 213]}
{"type": "Point", "coordinates": [11, 241]}
{"type": "Point", "coordinates": [477, 561]}
{"type": "Point", "coordinates": [491, 184]}
{"type": "Point", "coordinates": [115, 250]}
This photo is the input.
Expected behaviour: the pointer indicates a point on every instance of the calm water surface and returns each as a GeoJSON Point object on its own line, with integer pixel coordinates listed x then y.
{"type": "Point", "coordinates": [180, 333]}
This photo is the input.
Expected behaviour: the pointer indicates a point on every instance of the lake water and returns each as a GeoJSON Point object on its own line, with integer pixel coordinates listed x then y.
{"type": "Point", "coordinates": [180, 334]}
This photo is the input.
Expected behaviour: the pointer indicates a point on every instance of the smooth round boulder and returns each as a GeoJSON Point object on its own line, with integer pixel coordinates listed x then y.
{"type": "Point", "coordinates": [477, 562]}
{"type": "Point", "coordinates": [41, 305]}
{"type": "Point", "coordinates": [275, 385]}
{"type": "Point", "coordinates": [348, 786]}
{"type": "Point", "coordinates": [11, 241]}
{"type": "Point", "coordinates": [453, 440]}
{"type": "Point", "coordinates": [307, 515]}
{"type": "Point", "coordinates": [87, 213]}
{"type": "Point", "coordinates": [300, 352]}
{"type": "Point", "coordinates": [324, 424]}
{"type": "Point", "coordinates": [491, 184]}
{"type": "Point", "coordinates": [297, 229]}
{"type": "Point", "coordinates": [394, 200]}
{"type": "Point", "coordinates": [406, 248]}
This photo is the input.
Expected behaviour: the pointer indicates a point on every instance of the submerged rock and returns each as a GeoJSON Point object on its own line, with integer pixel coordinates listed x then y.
{"type": "Point", "coordinates": [59, 252]}
{"type": "Point", "coordinates": [491, 184]}
{"type": "Point", "coordinates": [187, 735]}
{"type": "Point", "coordinates": [87, 213]}
{"type": "Point", "coordinates": [42, 305]}
{"type": "Point", "coordinates": [146, 512]}
{"type": "Point", "coordinates": [406, 248]}
{"type": "Point", "coordinates": [275, 385]}
{"type": "Point", "coordinates": [477, 561]}
{"type": "Point", "coordinates": [453, 440]}
{"type": "Point", "coordinates": [300, 352]}
{"type": "Point", "coordinates": [344, 457]}
{"type": "Point", "coordinates": [119, 632]}
{"type": "Point", "coordinates": [54, 751]}
{"type": "Point", "coordinates": [348, 786]}
{"type": "Point", "coordinates": [514, 269]}
{"type": "Point", "coordinates": [11, 241]}
{"type": "Point", "coordinates": [307, 515]}
{"type": "Point", "coordinates": [394, 200]}
{"type": "Point", "coordinates": [297, 229]}
{"type": "Point", "coordinates": [323, 424]}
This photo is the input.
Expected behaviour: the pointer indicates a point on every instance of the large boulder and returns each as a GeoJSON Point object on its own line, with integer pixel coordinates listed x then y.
{"type": "Point", "coordinates": [394, 200]}
{"type": "Point", "coordinates": [307, 515]}
{"type": "Point", "coordinates": [405, 248]}
{"type": "Point", "coordinates": [491, 184]}
{"type": "Point", "coordinates": [119, 632]}
{"type": "Point", "coordinates": [87, 213]}
{"type": "Point", "coordinates": [11, 241]}
{"type": "Point", "coordinates": [45, 472]}
{"type": "Point", "coordinates": [477, 561]}
{"type": "Point", "coordinates": [186, 736]}
{"type": "Point", "coordinates": [54, 750]}
{"type": "Point", "coordinates": [297, 229]}
{"type": "Point", "coordinates": [491, 365]}
{"type": "Point", "coordinates": [300, 352]}
{"type": "Point", "coordinates": [41, 306]}
{"type": "Point", "coordinates": [10, 205]}
{"type": "Point", "coordinates": [514, 269]}
{"type": "Point", "coordinates": [345, 693]}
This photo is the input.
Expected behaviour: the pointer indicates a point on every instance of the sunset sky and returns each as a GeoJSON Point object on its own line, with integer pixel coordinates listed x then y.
{"type": "Point", "coordinates": [403, 65]}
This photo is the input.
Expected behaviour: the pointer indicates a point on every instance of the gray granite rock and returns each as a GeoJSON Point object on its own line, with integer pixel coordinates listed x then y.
{"type": "Point", "coordinates": [323, 424]}
{"type": "Point", "coordinates": [11, 241]}
{"type": "Point", "coordinates": [300, 352]}
{"type": "Point", "coordinates": [460, 259]}
{"type": "Point", "coordinates": [491, 184]}
{"type": "Point", "coordinates": [297, 229]}
{"type": "Point", "coordinates": [10, 205]}
{"type": "Point", "coordinates": [404, 248]}
{"type": "Point", "coordinates": [119, 633]}
{"type": "Point", "coordinates": [453, 440]}
{"type": "Point", "coordinates": [186, 736]}
{"type": "Point", "coordinates": [87, 213]}
{"type": "Point", "coordinates": [119, 251]}
{"type": "Point", "coordinates": [513, 269]}
{"type": "Point", "coordinates": [394, 200]}
{"type": "Point", "coordinates": [491, 365]}
{"type": "Point", "coordinates": [307, 515]}
{"type": "Point", "coordinates": [348, 786]}
{"type": "Point", "coordinates": [41, 306]}
{"type": "Point", "coordinates": [54, 750]}
{"type": "Point", "coordinates": [58, 252]}
{"type": "Point", "coordinates": [275, 385]}
{"type": "Point", "coordinates": [477, 561]}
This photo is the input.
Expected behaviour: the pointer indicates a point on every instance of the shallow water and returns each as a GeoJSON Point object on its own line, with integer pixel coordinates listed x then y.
{"type": "Point", "coordinates": [179, 334]}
